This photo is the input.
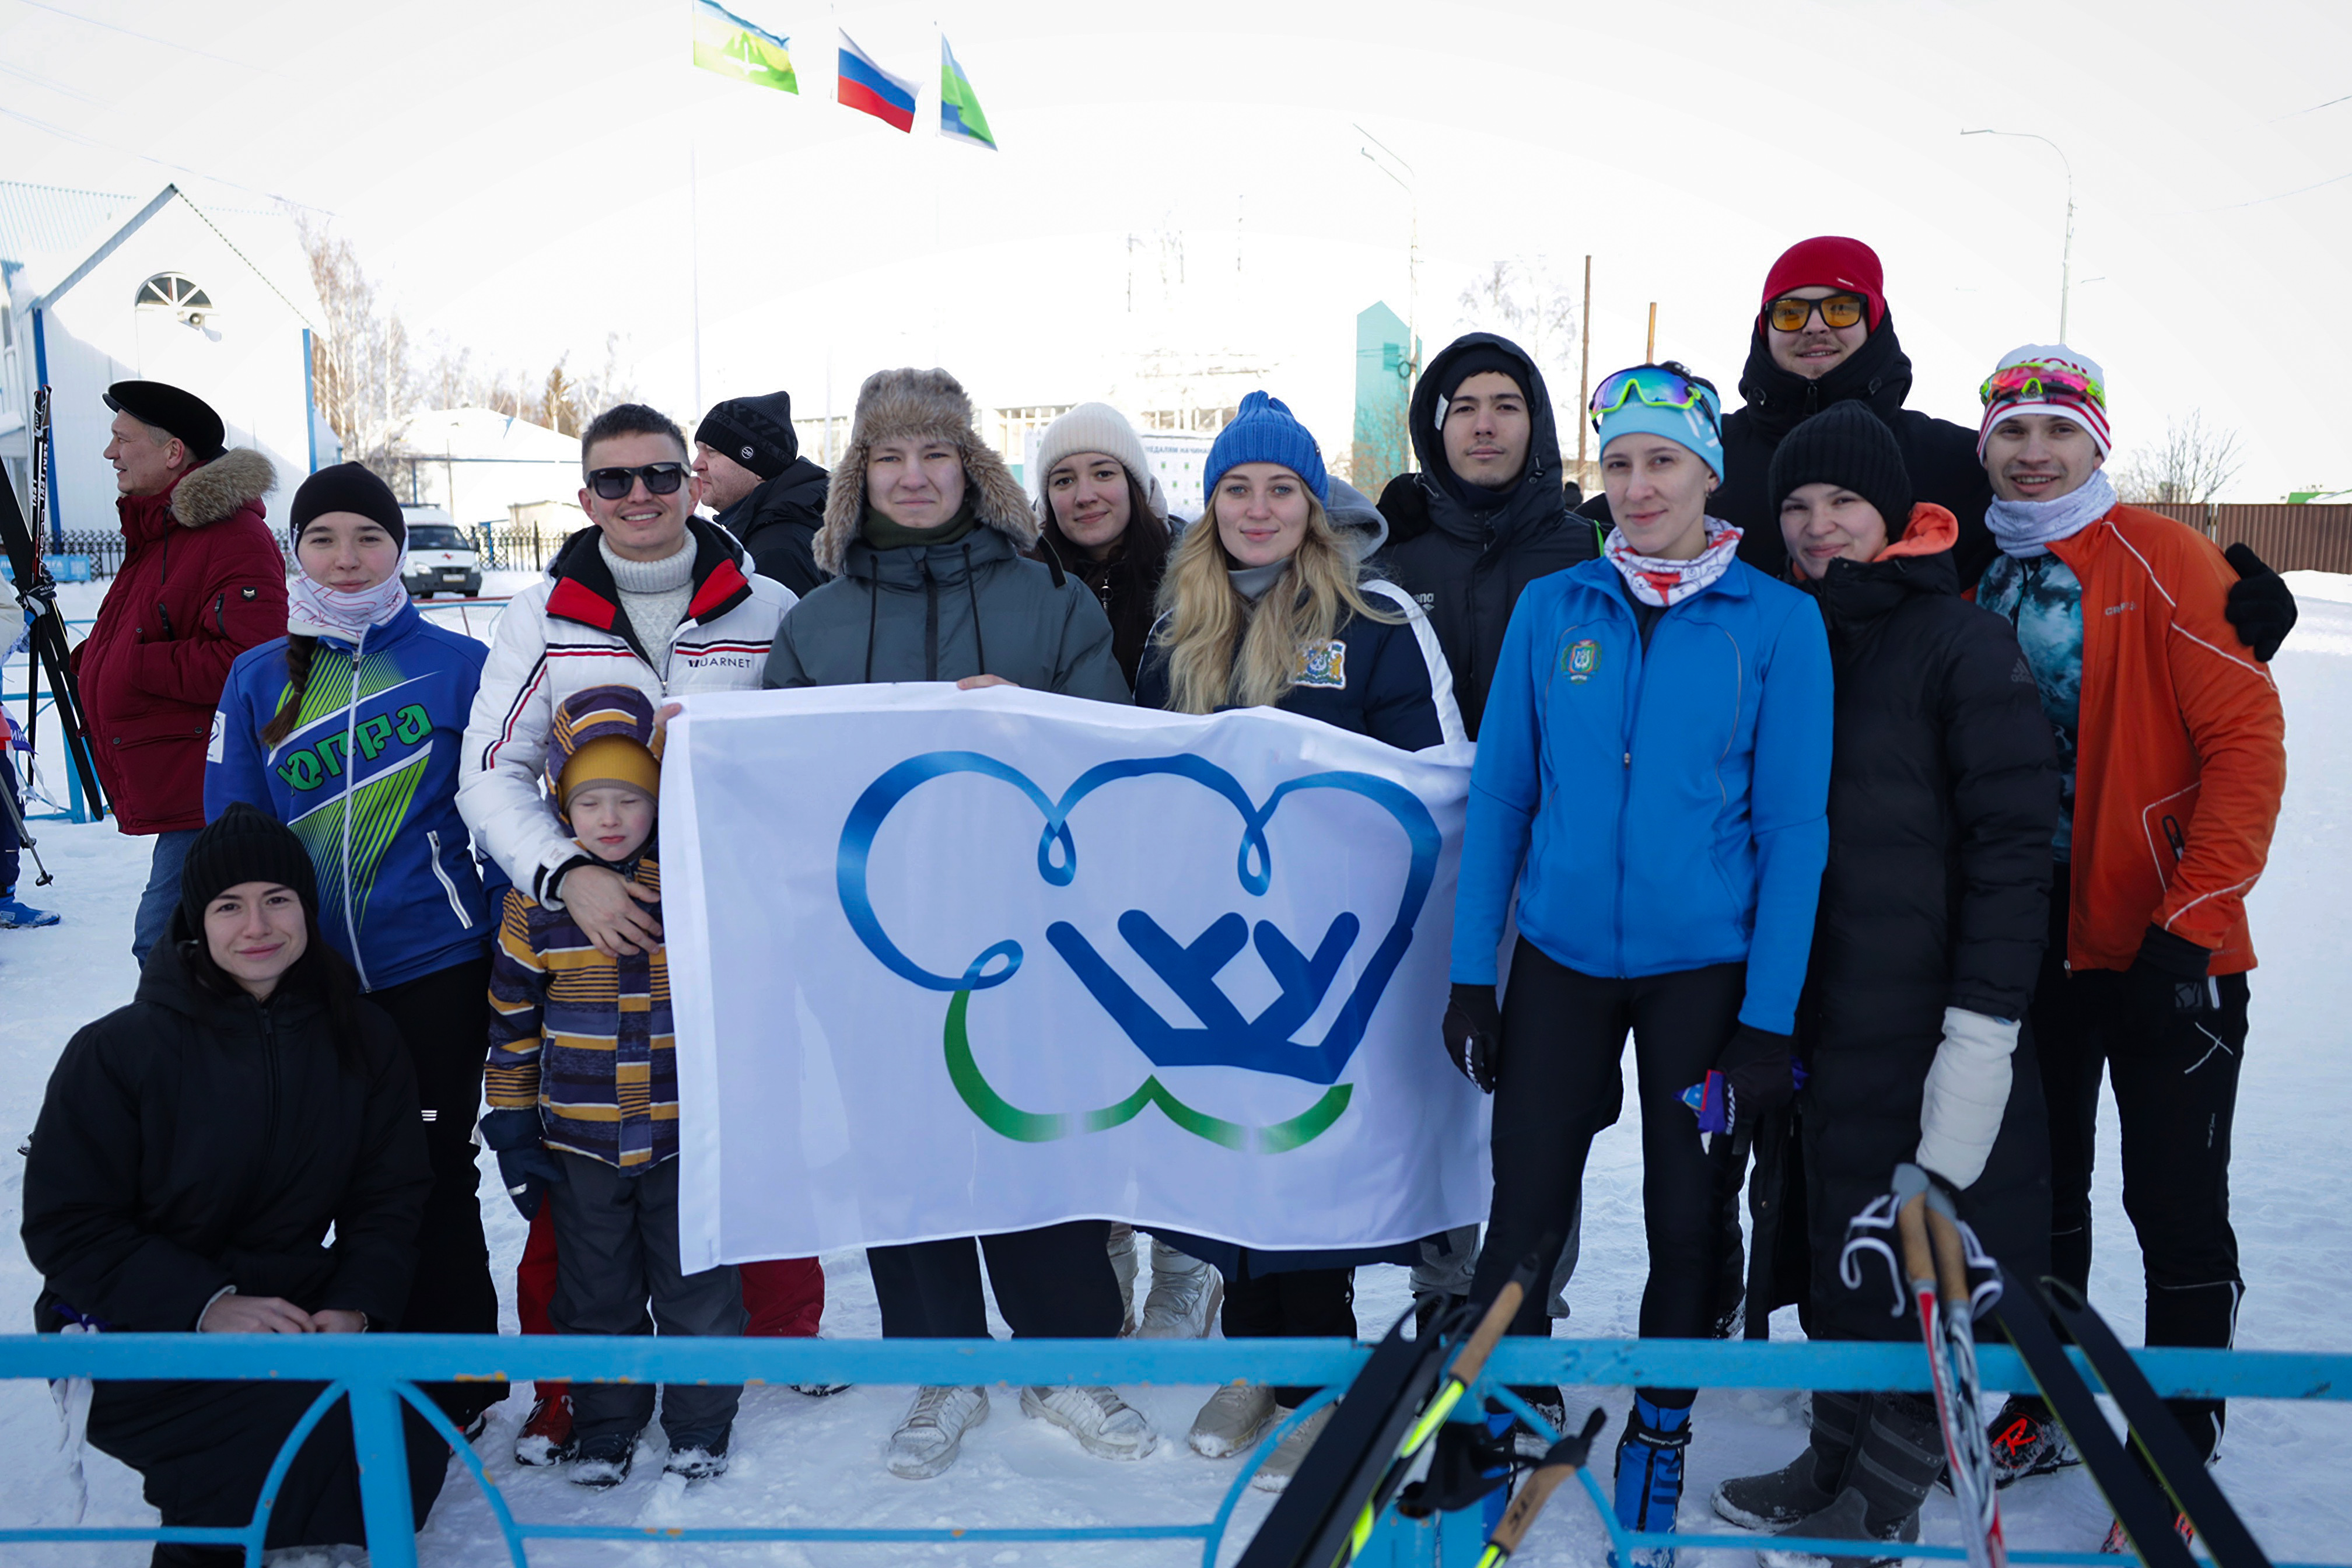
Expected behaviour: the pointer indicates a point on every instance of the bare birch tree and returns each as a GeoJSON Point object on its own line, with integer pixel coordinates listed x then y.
{"type": "Point", "coordinates": [2192, 465]}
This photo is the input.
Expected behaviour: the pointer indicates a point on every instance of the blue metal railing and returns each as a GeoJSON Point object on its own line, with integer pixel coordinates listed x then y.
{"type": "Point", "coordinates": [378, 1372]}
{"type": "Point", "coordinates": [77, 809]}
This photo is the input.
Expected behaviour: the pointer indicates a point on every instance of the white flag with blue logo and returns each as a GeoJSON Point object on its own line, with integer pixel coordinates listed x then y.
{"type": "Point", "coordinates": [946, 963]}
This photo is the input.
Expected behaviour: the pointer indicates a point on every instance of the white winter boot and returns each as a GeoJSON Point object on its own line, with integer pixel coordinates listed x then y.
{"type": "Point", "coordinates": [928, 1440]}
{"type": "Point", "coordinates": [1184, 1299]}
{"type": "Point", "coordinates": [1234, 1419]}
{"type": "Point", "coordinates": [1104, 1424]}
{"type": "Point", "coordinates": [1123, 1264]}
{"type": "Point", "coordinates": [1284, 1462]}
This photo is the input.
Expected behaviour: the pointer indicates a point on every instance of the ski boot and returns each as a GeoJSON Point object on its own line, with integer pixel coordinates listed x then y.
{"type": "Point", "coordinates": [15, 915]}
{"type": "Point", "coordinates": [1650, 1477]}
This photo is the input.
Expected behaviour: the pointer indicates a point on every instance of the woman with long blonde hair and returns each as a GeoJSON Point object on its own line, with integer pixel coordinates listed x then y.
{"type": "Point", "coordinates": [1268, 604]}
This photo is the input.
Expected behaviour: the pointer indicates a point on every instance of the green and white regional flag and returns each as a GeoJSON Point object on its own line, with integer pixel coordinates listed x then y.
{"type": "Point", "coordinates": [951, 963]}
{"type": "Point", "coordinates": [725, 43]}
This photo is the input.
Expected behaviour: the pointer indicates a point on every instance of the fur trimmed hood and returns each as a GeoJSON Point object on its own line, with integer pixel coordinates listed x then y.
{"type": "Point", "coordinates": [895, 404]}
{"type": "Point", "coordinates": [221, 489]}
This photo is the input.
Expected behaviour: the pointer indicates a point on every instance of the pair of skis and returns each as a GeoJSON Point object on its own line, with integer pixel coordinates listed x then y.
{"type": "Point", "coordinates": [38, 593]}
{"type": "Point", "coordinates": [1387, 1420]}
{"type": "Point", "coordinates": [1936, 1249]}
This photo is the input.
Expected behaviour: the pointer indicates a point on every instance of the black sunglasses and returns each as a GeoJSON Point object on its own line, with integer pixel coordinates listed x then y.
{"type": "Point", "coordinates": [614, 484]}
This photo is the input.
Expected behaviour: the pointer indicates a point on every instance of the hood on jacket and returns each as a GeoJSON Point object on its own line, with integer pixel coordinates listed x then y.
{"type": "Point", "coordinates": [221, 489]}
{"type": "Point", "coordinates": [909, 404]}
{"type": "Point", "coordinates": [1877, 373]}
{"type": "Point", "coordinates": [1462, 508]}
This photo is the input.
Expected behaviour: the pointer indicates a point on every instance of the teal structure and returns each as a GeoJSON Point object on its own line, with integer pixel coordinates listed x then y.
{"type": "Point", "coordinates": [1388, 357]}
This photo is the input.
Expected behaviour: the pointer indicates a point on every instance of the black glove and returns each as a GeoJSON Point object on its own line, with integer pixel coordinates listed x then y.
{"type": "Point", "coordinates": [525, 1166]}
{"type": "Point", "coordinates": [2167, 980]}
{"type": "Point", "coordinates": [1874, 1233]}
{"type": "Point", "coordinates": [2260, 604]}
{"type": "Point", "coordinates": [1474, 1034]}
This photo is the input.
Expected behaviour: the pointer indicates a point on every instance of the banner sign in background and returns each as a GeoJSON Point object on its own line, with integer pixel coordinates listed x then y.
{"type": "Point", "coordinates": [946, 963]}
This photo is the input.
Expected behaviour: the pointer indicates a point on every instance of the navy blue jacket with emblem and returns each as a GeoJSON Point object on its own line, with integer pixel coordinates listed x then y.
{"type": "Point", "coordinates": [368, 781]}
{"type": "Point", "coordinates": [1388, 681]}
{"type": "Point", "coordinates": [1659, 809]}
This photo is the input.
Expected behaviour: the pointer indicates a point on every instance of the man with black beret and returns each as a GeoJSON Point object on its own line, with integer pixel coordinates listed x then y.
{"type": "Point", "coordinates": [202, 581]}
{"type": "Point", "coordinates": [767, 495]}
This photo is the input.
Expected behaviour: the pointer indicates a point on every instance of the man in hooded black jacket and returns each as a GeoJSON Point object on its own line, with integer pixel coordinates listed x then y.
{"type": "Point", "coordinates": [769, 496]}
{"type": "Point", "coordinates": [1464, 549]}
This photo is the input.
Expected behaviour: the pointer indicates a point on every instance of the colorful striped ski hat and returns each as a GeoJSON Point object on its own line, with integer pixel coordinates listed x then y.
{"type": "Point", "coordinates": [1265, 431]}
{"type": "Point", "coordinates": [603, 734]}
{"type": "Point", "coordinates": [2076, 388]}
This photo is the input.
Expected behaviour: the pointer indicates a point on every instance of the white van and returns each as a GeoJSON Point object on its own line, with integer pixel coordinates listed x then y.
{"type": "Point", "coordinates": [441, 556]}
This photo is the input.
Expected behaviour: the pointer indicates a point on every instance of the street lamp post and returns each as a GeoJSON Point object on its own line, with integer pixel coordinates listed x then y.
{"type": "Point", "coordinates": [2066, 255]}
{"type": "Point", "coordinates": [1413, 247]}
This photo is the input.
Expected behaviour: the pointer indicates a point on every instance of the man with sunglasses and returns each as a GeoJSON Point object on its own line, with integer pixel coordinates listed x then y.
{"type": "Point", "coordinates": [2172, 756]}
{"type": "Point", "coordinates": [650, 596]}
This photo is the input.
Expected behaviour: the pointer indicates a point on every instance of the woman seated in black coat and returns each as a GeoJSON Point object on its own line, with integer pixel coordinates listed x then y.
{"type": "Point", "coordinates": [194, 1150]}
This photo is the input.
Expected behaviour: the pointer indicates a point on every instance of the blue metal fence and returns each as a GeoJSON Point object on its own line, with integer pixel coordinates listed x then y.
{"type": "Point", "coordinates": [378, 1372]}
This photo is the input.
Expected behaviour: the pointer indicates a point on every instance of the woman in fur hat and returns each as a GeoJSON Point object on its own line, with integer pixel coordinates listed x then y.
{"type": "Point", "coordinates": [924, 531]}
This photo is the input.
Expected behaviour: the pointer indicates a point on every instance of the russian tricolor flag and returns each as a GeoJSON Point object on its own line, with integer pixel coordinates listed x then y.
{"type": "Point", "coordinates": [868, 88]}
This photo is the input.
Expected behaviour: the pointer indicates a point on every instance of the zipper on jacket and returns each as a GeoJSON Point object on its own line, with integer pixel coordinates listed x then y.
{"type": "Point", "coordinates": [1625, 781]}
{"type": "Point", "coordinates": [433, 841]}
{"type": "Point", "coordinates": [220, 603]}
{"type": "Point", "coordinates": [930, 622]}
{"type": "Point", "coordinates": [350, 800]}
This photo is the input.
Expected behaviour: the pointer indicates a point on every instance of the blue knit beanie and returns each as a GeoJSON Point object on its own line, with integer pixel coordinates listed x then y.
{"type": "Point", "coordinates": [1265, 432]}
{"type": "Point", "coordinates": [1698, 428]}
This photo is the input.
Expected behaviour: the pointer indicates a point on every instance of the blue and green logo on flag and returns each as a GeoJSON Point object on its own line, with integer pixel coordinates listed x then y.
{"type": "Point", "coordinates": [725, 43]}
{"type": "Point", "coordinates": [960, 114]}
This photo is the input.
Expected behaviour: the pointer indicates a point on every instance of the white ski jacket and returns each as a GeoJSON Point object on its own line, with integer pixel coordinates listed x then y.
{"type": "Point", "coordinates": [567, 633]}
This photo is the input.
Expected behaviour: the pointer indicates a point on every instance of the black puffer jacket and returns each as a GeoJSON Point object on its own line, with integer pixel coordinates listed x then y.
{"type": "Point", "coordinates": [1467, 567]}
{"type": "Point", "coordinates": [1941, 455]}
{"type": "Point", "coordinates": [1943, 793]}
{"type": "Point", "coordinates": [190, 1141]}
{"type": "Point", "coordinates": [778, 523]}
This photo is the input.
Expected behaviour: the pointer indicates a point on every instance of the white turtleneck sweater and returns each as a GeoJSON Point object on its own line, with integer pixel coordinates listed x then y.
{"type": "Point", "coordinates": [654, 596]}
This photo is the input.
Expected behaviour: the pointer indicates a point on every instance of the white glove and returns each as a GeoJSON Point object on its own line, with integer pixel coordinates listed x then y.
{"type": "Point", "coordinates": [1967, 1092]}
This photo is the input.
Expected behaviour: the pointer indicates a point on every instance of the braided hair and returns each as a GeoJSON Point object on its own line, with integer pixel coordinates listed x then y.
{"type": "Point", "coordinates": [299, 653]}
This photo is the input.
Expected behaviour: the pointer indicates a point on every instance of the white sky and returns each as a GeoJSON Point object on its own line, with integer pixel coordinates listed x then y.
{"type": "Point", "coordinates": [516, 172]}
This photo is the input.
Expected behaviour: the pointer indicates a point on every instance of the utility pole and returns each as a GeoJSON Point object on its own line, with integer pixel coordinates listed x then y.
{"type": "Point", "coordinates": [1584, 371]}
{"type": "Point", "coordinates": [2066, 253]}
{"type": "Point", "coordinates": [1412, 248]}
{"type": "Point", "coordinates": [1649, 350]}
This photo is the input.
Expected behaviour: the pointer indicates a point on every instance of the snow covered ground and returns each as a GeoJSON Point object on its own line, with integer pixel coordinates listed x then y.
{"type": "Point", "coordinates": [816, 1461]}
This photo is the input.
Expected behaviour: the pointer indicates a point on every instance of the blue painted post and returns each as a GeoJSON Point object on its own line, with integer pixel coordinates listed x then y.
{"type": "Point", "coordinates": [309, 401]}
{"type": "Point", "coordinates": [383, 1474]}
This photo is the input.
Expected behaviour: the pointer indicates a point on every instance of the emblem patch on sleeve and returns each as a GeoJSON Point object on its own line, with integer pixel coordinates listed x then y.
{"type": "Point", "coordinates": [1322, 664]}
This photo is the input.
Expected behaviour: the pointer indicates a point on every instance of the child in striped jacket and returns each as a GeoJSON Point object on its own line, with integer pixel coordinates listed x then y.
{"type": "Point", "coordinates": [582, 1088]}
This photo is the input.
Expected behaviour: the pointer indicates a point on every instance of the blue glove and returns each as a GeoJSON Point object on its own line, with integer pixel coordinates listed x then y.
{"type": "Point", "coordinates": [525, 1166]}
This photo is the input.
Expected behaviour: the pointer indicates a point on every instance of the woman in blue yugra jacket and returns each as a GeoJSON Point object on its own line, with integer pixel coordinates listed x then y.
{"type": "Point", "coordinates": [1652, 773]}
{"type": "Point", "coordinates": [348, 731]}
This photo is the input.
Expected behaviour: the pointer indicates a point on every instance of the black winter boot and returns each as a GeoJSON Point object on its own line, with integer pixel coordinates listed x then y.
{"type": "Point", "coordinates": [1806, 1484]}
{"type": "Point", "coordinates": [1897, 1460]}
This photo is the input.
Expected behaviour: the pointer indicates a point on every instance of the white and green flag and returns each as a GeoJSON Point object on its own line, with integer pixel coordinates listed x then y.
{"type": "Point", "coordinates": [945, 963]}
{"type": "Point", "coordinates": [726, 43]}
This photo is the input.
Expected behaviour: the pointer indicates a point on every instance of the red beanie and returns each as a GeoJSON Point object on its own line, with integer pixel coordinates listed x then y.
{"type": "Point", "coordinates": [1828, 261]}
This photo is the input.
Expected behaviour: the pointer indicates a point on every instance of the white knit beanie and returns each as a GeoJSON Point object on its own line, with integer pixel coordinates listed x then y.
{"type": "Point", "coordinates": [1100, 428]}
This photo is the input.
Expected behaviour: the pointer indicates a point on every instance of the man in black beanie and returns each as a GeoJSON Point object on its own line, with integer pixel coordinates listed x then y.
{"type": "Point", "coordinates": [767, 495]}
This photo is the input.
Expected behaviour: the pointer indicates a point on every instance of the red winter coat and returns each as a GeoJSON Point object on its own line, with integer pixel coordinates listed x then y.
{"type": "Point", "coordinates": [202, 581]}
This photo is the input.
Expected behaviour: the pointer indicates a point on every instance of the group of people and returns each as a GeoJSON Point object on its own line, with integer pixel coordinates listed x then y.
{"type": "Point", "coordinates": [1872, 875]}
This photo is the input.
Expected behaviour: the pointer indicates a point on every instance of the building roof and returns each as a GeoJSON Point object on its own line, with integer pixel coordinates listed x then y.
{"type": "Point", "coordinates": [479, 434]}
{"type": "Point", "coordinates": [39, 221]}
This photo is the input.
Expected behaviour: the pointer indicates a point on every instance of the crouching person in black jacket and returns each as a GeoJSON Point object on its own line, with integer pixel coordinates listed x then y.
{"type": "Point", "coordinates": [192, 1152]}
{"type": "Point", "coordinates": [1943, 793]}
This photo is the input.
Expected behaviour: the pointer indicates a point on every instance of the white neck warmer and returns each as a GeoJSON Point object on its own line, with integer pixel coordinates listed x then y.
{"type": "Point", "coordinates": [315, 610]}
{"type": "Point", "coordinates": [2028, 528]}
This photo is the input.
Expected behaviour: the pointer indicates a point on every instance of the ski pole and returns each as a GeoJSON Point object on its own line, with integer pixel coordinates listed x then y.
{"type": "Point", "coordinates": [1935, 1263]}
{"type": "Point", "coordinates": [1563, 1460]}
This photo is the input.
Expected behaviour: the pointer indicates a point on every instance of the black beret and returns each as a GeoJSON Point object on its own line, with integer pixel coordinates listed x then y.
{"type": "Point", "coordinates": [347, 487]}
{"type": "Point", "coordinates": [756, 432]}
{"type": "Point", "coordinates": [172, 411]}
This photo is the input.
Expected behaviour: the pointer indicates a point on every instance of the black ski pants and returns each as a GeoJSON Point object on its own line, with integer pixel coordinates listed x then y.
{"type": "Point", "coordinates": [1559, 1084]}
{"type": "Point", "coordinates": [1294, 1304]}
{"type": "Point", "coordinates": [1052, 1283]}
{"type": "Point", "coordinates": [2176, 1087]}
{"type": "Point", "coordinates": [444, 1018]}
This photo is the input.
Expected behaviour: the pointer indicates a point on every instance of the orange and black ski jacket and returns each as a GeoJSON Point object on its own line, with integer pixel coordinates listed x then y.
{"type": "Point", "coordinates": [2181, 755]}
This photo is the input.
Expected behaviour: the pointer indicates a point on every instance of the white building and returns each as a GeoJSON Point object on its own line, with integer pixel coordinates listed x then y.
{"type": "Point", "coordinates": [104, 288]}
{"type": "Point", "coordinates": [480, 464]}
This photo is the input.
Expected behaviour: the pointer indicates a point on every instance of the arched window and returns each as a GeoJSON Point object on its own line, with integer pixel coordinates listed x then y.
{"type": "Point", "coordinates": [172, 292]}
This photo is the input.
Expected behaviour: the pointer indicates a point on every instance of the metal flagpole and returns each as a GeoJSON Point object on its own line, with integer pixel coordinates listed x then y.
{"type": "Point", "coordinates": [694, 244]}
{"type": "Point", "coordinates": [1584, 371]}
